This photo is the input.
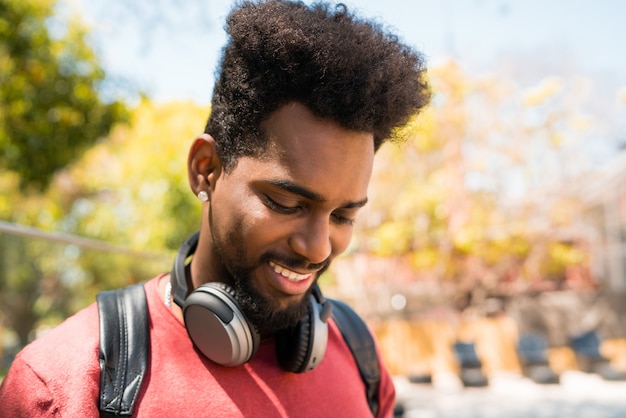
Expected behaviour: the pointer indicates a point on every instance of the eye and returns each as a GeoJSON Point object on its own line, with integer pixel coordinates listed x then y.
{"type": "Point", "coordinates": [278, 208]}
{"type": "Point", "coordinates": [343, 220]}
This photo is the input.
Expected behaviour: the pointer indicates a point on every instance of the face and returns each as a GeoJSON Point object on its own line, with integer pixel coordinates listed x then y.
{"type": "Point", "coordinates": [276, 222]}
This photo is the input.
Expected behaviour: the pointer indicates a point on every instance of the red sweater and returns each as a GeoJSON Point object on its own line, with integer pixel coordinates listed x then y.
{"type": "Point", "coordinates": [58, 375]}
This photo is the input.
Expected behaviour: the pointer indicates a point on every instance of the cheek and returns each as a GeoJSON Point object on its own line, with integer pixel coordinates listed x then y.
{"type": "Point", "coordinates": [340, 240]}
{"type": "Point", "coordinates": [254, 225]}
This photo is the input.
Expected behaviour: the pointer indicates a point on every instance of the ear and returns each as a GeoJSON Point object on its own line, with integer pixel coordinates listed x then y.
{"type": "Point", "coordinates": [203, 164]}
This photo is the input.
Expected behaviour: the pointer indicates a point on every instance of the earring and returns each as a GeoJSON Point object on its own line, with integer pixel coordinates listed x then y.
{"type": "Point", "coordinates": [203, 196]}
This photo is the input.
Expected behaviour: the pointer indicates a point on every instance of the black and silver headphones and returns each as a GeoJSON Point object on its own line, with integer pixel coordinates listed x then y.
{"type": "Point", "coordinates": [221, 331]}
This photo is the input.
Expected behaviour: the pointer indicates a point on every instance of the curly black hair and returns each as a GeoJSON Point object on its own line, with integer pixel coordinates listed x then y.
{"type": "Point", "coordinates": [342, 68]}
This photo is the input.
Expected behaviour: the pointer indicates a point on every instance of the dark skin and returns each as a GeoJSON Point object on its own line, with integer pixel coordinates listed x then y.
{"type": "Point", "coordinates": [278, 221]}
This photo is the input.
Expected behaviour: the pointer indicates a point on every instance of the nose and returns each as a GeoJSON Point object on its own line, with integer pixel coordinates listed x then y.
{"type": "Point", "coordinates": [312, 241]}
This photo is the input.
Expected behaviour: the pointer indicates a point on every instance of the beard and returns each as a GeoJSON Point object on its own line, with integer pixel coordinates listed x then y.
{"type": "Point", "coordinates": [265, 313]}
{"type": "Point", "coordinates": [262, 310]}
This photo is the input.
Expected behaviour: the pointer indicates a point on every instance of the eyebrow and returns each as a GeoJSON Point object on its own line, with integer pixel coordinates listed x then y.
{"type": "Point", "coordinates": [311, 195]}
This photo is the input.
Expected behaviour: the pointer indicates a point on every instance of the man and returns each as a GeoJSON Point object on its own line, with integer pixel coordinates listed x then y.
{"type": "Point", "coordinates": [304, 97]}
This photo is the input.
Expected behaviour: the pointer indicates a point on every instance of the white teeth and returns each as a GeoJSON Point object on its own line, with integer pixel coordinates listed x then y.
{"type": "Point", "coordinates": [291, 275]}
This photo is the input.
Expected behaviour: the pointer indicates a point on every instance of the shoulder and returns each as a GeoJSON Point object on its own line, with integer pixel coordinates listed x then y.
{"type": "Point", "coordinates": [59, 369]}
{"type": "Point", "coordinates": [356, 333]}
{"type": "Point", "coordinates": [75, 338]}
{"type": "Point", "coordinates": [361, 342]}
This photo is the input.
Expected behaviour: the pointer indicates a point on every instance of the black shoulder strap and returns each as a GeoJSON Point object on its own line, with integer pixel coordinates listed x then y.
{"type": "Point", "coordinates": [361, 343]}
{"type": "Point", "coordinates": [124, 348]}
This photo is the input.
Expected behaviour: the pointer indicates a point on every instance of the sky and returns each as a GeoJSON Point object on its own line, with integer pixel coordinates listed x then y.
{"type": "Point", "coordinates": [170, 49]}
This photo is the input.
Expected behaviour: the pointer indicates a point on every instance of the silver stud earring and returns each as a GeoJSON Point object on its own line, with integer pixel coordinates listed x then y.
{"type": "Point", "coordinates": [203, 196]}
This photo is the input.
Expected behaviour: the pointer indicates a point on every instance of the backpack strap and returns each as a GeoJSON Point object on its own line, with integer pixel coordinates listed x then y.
{"type": "Point", "coordinates": [124, 348]}
{"type": "Point", "coordinates": [357, 335]}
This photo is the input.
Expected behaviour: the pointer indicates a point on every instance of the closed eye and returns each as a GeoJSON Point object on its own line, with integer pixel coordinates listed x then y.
{"type": "Point", "coordinates": [276, 207]}
{"type": "Point", "coordinates": [342, 219]}
{"type": "Point", "coordinates": [289, 210]}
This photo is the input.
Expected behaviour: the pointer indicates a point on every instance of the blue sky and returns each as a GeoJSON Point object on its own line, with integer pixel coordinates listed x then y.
{"type": "Point", "coordinates": [176, 60]}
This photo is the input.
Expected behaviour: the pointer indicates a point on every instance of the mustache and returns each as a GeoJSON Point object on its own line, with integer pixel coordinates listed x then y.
{"type": "Point", "coordinates": [295, 262]}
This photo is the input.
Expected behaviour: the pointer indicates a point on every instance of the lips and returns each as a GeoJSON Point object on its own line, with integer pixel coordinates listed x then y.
{"type": "Point", "coordinates": [290, 275]}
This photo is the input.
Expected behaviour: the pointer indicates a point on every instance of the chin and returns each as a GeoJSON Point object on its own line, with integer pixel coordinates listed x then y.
{"type": "Point", "coordinates": [270, 313]}
{"type": "Point", "coordinates": [288, 302]}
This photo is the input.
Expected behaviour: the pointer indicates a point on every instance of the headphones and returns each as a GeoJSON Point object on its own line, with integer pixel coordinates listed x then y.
{"type": "Point", "coordinates": [220, 330]}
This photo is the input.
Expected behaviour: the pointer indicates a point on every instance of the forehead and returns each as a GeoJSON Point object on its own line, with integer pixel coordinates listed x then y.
{"type": "Point", "coordinates": [318, 153]}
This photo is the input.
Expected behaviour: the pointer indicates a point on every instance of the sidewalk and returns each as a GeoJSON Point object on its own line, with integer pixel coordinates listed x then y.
{"type": "Point", "coordinates": [579, 395]}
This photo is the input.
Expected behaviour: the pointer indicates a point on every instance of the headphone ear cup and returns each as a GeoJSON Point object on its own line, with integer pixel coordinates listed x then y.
{"type": "Point", "coordinates": [218, 327]}
{"type": "Point", "coordinates": [301, 348]}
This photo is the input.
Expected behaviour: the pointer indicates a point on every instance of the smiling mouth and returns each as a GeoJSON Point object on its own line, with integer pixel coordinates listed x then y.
{"type": "Point", "coordinates": [288, 274]}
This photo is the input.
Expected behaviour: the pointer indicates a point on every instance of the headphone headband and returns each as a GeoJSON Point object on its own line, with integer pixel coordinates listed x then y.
{"type": "Point", "coordinates": [179, 278]}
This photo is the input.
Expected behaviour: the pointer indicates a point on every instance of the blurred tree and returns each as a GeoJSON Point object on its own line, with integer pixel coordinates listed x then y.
{"type": "Point", "coordinates": [128, 190]}
{"type": "Point", "coordinates": [50, 113]}
{"type": "Point", "coordinates": [50, 110]}
{"type": "Point", "coordinates": [477, 190]}
{"type": "Point", "coordinates": [132, 189]}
